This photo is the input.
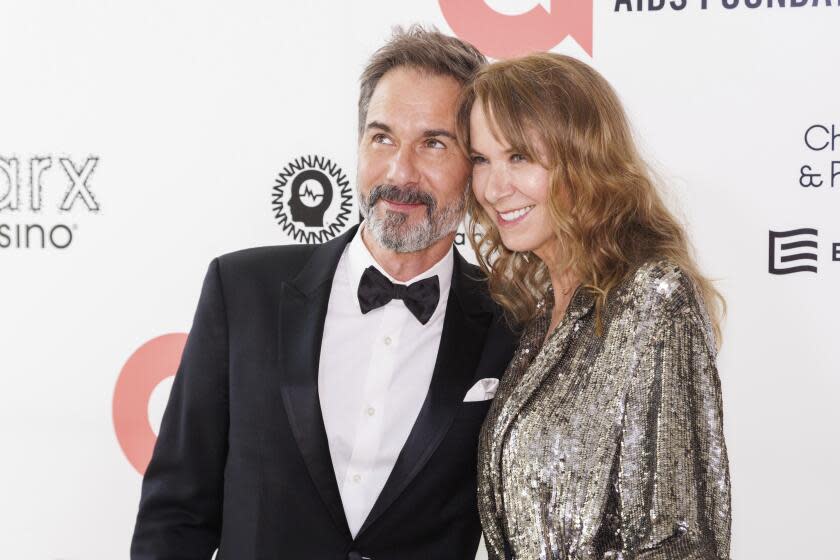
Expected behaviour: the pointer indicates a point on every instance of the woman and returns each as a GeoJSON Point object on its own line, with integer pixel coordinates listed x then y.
{"type": "Point", "coordinates": [605, 437]}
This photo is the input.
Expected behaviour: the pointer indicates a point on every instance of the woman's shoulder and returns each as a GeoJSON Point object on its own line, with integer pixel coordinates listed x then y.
{"type": "Point", "coordinates": [659, 279]}
{"type": "Point", "coordinates": [661, 290]}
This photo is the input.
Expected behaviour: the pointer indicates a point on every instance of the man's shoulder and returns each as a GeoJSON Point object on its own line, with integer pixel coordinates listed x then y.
{"type": "Point", "coordinates": [277, 262]}
{"type": "Point", "coordinates": [471, 271]}
{"type": "Point", "coordinates": [474, 277]}
{"type": "Point", "coordinates": [473, 282]}
{"type": "Point", "coordinates": [283, 262]}
{"type": "Point", "coordinates": [256, 256]}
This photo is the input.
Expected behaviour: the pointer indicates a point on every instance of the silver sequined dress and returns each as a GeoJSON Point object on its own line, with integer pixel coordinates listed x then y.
{"type": "Point", "coordinates": [610, 447]}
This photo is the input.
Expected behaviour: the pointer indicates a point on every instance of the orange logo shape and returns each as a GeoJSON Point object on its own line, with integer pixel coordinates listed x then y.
{"type": "Point", "coordinates": [503, 36]}
{"type": "Point", "coordinates": [150, 364]}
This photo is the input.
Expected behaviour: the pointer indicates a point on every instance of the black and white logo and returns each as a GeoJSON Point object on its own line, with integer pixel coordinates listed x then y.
{"type": "Point", "coordinates": [37, 217]}
{"type": "Point", "coordinates": [312, 199]}
{"type": "Point", "coordinates": [793, 251]}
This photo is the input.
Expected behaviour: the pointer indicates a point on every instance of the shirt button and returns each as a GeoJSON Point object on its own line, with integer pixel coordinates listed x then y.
{"type": "Point", "coordinates": [357, 478]}
{"type": "Point", "coordinates": [371, 411]}
{"type": "Point", "coordinates": [387, 341]}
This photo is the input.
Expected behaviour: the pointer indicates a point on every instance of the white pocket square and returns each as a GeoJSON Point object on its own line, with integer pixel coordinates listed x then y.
{"type": "Point", "coordinates": [484, 390]}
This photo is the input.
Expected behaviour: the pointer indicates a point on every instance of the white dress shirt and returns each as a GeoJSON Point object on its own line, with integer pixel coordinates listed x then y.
{"type": "Point", "coordinates": [373, 377]}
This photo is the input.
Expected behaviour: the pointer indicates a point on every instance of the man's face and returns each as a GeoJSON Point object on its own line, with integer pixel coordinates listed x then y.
{"type": "Point", "coordinates": [412, 177]}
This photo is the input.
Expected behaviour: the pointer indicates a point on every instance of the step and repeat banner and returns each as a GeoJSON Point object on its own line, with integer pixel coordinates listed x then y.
{"type": "Point", "coordinates": [140, 140]}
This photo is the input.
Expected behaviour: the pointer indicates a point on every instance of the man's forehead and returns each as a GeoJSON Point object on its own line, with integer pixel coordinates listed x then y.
{"type": "Point", "coordinates": [407, 99]}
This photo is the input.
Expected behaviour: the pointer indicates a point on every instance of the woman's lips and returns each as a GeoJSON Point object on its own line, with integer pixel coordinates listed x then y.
{"type": "Point", "coordinates": [512, 217]}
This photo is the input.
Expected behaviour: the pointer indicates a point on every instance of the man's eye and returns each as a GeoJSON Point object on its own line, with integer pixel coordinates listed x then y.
{"type": "Point", "coordinates": [434, 143]}
{"type": "Point", "coordinates": [381, 139]}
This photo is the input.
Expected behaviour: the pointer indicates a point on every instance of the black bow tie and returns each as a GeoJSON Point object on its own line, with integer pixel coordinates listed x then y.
{"type": "Point", "coordinates": [421, 297]}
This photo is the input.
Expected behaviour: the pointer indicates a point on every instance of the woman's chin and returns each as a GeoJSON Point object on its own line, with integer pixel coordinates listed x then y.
{"type": "Point", "coordinates": [516, 244]}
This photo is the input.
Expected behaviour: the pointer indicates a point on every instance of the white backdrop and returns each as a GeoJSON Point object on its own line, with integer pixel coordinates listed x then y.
{"type": "Point", "coordinates": [185, 112]}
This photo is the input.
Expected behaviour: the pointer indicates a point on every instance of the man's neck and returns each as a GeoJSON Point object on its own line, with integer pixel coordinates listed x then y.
{"type": "Point", "coordinates": [405, 266]}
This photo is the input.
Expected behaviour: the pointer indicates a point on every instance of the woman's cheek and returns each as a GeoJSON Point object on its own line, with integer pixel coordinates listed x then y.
{"type": "Point", "coordinates": [477, 187]}
{"type": "Point", "coordinates": [479, 196]}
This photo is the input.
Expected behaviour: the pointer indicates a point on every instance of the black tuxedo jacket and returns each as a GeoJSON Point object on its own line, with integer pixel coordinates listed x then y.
{"type": "Point", "coordinates": [242, 461]}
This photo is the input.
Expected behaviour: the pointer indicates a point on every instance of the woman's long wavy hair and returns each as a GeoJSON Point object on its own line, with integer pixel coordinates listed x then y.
{"type": "Point", "coordinates": [617, 219]}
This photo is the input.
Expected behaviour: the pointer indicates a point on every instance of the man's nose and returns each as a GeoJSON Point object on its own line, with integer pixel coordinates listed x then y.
{"type": "Point", "coordinates": [402, 168]}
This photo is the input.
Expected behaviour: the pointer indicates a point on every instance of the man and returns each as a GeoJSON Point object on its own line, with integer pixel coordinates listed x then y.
{"type": "Point", "coordinates": [329, 398]}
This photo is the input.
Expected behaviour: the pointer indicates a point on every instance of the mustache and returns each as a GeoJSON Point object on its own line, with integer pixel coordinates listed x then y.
{"type": "Point", "coordinates": [403, 196]}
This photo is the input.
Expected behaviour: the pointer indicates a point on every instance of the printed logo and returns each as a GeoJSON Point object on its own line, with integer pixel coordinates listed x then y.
{"type": "Point", "coordinates": [312, 200]}
{"type": "Point", "coordinates": [679, 5]}
{"type": "Point", "coordinates": [790, 251]}
{"type": "Point", "coordinates": [826, 139]}
{"type": "Point", "coordinates": [65, 192]}
{"type": "Point", "coordinates": [501, 35]}
{"type": "Point", "coordinates": [149, 366]}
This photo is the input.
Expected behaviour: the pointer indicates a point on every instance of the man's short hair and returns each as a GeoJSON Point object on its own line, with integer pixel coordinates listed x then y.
{"type": "Point", "coordinates": [423, 49]}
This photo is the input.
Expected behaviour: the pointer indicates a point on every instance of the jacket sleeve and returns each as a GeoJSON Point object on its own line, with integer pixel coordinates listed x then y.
{"type": "Point", "coordinates": [181, 499]}
{"type": "Point", "coordinates": [673, 475]}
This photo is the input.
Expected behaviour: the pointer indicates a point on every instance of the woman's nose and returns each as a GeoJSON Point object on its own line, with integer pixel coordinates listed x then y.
{"type": "Point", "coordinates": [498, 185]}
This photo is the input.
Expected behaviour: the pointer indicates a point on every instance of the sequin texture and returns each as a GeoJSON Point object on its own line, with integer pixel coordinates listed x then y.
{"type": "Point", "coordinates": [610, 446]}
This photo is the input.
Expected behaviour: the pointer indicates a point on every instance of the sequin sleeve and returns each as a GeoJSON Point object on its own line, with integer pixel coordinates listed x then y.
{"type": "Point", "coordinates": [673, 476]}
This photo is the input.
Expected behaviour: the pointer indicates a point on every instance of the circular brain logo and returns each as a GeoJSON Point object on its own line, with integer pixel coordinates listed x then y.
{"type": "Point", "coordinates": [312, 193]}
{"type": "Point", "coordinates": [504, 35]}
{"type": "Point", "coordinates": [149, 367]}
{"type": "Point", "coordinates": [312, 199]}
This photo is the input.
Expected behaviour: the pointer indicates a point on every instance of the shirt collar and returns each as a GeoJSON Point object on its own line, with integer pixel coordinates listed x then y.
{"type": "Point", "coordinates": [359, 259]}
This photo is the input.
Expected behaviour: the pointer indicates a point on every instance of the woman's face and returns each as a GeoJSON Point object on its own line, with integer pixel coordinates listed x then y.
{"type": "Point", "coordinates": [512, 189]}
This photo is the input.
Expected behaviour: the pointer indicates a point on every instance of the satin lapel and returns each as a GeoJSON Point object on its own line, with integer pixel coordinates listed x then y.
{"type": "Point", "coordinates": [461, 342]}
{"type": "Point", "coordinates": [303, 309]}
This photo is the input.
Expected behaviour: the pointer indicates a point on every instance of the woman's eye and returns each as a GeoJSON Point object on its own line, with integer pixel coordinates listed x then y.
{"type": "Point", "coordinates": [434, 143]}
{"type": "Point", "coordinates": [478, 159]}
{"type": "Point", "coordinates": [518, 158]}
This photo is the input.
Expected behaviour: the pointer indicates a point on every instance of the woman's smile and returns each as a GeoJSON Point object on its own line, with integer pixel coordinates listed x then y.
{"type": "Point", "coordinates": [512, 217]}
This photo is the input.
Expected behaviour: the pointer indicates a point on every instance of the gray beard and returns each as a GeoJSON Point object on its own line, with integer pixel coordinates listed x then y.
{"type": "Point", "coordinates": [390, 230]}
